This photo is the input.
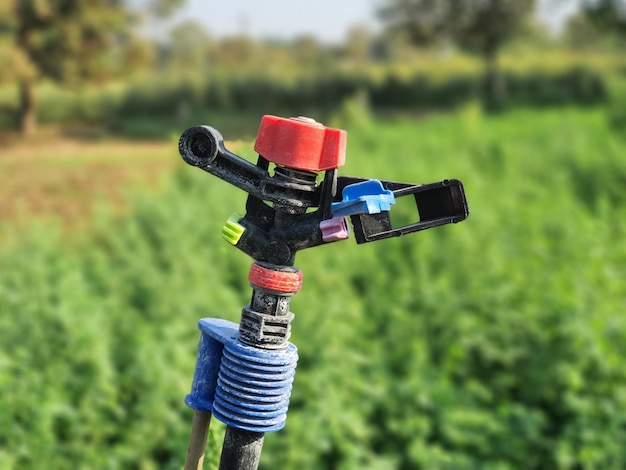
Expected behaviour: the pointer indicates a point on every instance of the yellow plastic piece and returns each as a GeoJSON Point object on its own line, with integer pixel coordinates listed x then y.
{"type": "Point", "coordinates": [232, 231]}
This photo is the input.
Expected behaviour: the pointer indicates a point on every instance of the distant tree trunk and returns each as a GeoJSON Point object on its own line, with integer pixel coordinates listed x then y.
{"type": "Point", "coordinates": [27, 117]}
{"type": "Point", "coordinates": [494, 87]}
{"type": "Point", "coordinates": [27, 113]}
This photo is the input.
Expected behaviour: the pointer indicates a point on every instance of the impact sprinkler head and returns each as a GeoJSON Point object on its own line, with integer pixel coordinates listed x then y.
{"type": "Point", "coordinates": [244, 372]}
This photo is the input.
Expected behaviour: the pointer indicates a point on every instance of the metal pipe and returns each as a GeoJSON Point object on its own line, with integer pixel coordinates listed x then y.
{"type": "Point", "coordinates": [241, 450]}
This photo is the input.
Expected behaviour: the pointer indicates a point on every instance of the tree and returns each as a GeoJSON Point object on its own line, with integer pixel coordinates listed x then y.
{"type": "Point", "coordinates": [580, 33]}
{"type": "Point", "coordinates": [189, 47]}
{"type": "Point", "coordinates": [597, 24]}
{"type": "Point", "coordinates": [66, 41]}
{"type": "Point", "coordinates": [480, 26]}
{"type": "Point", "coordinates": [609, 16]}
{"type": "Point", "coordinates": [358, 44]}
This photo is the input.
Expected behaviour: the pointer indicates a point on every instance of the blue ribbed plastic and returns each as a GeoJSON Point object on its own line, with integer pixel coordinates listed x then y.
{"type": "Point", "coordinates": [252, 387]}
{"type": "Point", "coordinates": [207, 368]}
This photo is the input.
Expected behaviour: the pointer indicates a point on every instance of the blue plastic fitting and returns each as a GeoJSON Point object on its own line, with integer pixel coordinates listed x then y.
{"type": "Point", "coordinates": [244, 387]}
{"type": "Point", "coordinates": [367, 197]}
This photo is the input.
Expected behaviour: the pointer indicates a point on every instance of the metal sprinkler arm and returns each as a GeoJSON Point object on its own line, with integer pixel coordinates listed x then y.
{"type": "Point", "coordinates": [203, 147]}
{"type": "Point", "coordinates": [244, 372]}
{"type": "Point", "coordinates": [266, 236]}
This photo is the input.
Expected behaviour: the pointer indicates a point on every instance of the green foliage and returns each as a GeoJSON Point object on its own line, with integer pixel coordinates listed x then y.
{"type": "Point", "coordinates": [164, 8]}
{"type": "Point", "coordinates": [607, 15]}
{"type": "Point", "coordinates": [480, 26]}
{"type": "Point", "coordinates": [66, 41]}
{"type": "Point", "coordinates": [616, 112]}
{"type": "Point", "coordinates": [14, 63]}
{"type": "Point", "coordinates": [69, 42]}
{"type": "Point", "coordinates": [483, 345]}
{"type": "Point", "coordinates": [496, 343]}
{"type": "Point", "coordinates": [354, 113]}
{"type": "Point", "coordinates": [149, 106]}
{"type": "Point", "coordinates": [320, 94]}
{"type": "Point", "coordinates": [599, 25]}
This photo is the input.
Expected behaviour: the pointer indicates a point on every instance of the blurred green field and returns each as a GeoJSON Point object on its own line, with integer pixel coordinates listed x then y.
{"type": "Point", "coordinates": [495, 343]}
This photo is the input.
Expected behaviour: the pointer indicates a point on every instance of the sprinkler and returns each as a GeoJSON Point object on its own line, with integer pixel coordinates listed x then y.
{"type": "Point", "coordinates": [244, 373]}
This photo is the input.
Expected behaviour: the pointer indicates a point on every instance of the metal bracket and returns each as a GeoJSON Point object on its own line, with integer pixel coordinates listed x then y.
{"type": "Point", "coordinates": [436, 203]}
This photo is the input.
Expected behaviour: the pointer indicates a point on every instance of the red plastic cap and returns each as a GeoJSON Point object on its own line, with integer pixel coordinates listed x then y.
{"type": "Point", "coordinates": [301, 143]}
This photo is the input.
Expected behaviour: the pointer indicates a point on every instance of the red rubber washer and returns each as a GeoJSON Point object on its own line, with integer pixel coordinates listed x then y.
{"type": "Point", "coordinates": [301, 143]}
{"type": "Point", "coordinates": [279, 281]}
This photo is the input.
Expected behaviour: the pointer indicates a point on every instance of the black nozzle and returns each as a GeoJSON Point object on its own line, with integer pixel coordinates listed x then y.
{"type": "Point", "coordinates": [199, 145]}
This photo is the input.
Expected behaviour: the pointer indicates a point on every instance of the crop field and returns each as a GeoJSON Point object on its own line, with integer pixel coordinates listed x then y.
{"type": "Point", "coordinates": [63, 178]}
{"type": "Point", "coordinates": [495, 343]}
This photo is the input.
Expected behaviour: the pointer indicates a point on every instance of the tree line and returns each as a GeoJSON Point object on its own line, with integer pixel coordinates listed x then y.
{"type": "Point", "coordinates": [74, 42]}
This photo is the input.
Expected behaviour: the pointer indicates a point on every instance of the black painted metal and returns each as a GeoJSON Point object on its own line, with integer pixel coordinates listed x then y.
{"type": "Point", "coordinates": [241, 450]}
{"type": "Point", "coordinates": [275, 233]}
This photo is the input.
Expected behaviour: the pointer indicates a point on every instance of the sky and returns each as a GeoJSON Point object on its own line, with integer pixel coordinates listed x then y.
{"type": "Point", "coordinates": [329, 20]}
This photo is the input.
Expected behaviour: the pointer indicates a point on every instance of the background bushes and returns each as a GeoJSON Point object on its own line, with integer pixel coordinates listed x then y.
{"type": "Point", "coordinates": [417, 92]}
{"type": "Point", "coordinates": [177, 99]}
{"type": "Point", "coordinates": [495, 343]}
